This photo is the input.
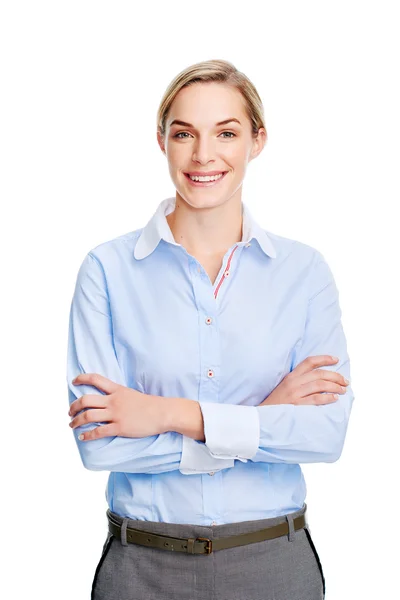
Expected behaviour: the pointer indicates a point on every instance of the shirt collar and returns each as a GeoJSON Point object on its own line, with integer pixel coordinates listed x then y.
{"type": "Point", "coordinates": [157, 228]}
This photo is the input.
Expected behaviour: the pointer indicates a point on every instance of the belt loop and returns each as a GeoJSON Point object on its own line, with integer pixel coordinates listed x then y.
{"type": "Point", "coordinates": [124, 525]}
{"type": "Point", "coordinates": [289, 519]}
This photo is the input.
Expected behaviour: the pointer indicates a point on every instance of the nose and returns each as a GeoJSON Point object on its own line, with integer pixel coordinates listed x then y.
{"type": "Point", "coordinates": [203, 151]}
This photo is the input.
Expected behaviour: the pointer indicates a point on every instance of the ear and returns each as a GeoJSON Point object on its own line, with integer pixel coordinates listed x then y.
{"type": "Point", "coordinates": [259, 143]}
{"type": "Point", "coordinates": [160, 140]}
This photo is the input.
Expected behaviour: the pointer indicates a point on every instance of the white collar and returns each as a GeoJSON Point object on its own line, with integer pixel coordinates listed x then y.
{"type": "Point", "coordinates": [158, 228]}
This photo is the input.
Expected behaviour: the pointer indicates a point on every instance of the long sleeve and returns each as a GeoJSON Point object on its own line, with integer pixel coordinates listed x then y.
{"type": "Point", "coordinates": [287, 433]}
{"type": "Point", "coordinates": [91, 350]}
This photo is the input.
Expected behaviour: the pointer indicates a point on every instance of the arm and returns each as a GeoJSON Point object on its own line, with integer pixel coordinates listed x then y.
{"type": "Point", "coordinates": [285, 433]}
{"type": "Point", "coordinates": [91, 350]}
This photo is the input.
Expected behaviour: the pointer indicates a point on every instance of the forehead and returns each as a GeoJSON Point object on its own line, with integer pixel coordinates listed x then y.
{"type": "Point", "coordinates": [207, 103]}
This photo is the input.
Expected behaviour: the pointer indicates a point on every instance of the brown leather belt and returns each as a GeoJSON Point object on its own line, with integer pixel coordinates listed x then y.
{"type": "Point", "coordinates": [201, 545]}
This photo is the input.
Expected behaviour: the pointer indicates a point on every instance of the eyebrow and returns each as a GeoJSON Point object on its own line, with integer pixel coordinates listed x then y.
{"type": "Point", "coordinates": [177, 122]}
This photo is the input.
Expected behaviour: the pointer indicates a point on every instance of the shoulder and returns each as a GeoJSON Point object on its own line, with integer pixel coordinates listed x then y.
{"type": "Point", "coordinates": [294, 250]}
{"type": "Point", "coordinates": [297, 261]}
{"type": "Point", "coordinates": [116, 249]}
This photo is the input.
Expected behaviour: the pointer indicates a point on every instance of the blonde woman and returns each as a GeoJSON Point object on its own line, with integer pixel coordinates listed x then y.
{"type": "Point", "coordinates": [206, 362]}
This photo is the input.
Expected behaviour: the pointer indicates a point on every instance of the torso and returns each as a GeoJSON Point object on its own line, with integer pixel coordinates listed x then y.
{"type": "Point", "coordinates": [212, 266]}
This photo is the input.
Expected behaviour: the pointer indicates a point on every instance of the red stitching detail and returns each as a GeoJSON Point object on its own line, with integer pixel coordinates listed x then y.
{"type": "Point", "coordinates": [223, 276]}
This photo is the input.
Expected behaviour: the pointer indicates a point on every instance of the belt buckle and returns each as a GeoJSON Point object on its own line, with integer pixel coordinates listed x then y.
{"type": "Point", "coordinates": [209, 545]}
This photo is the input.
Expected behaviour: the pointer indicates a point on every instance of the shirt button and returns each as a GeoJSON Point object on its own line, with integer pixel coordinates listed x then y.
{"type": "Point", "coordinates": [247, 245]}
{"type": "Point", "coordinates": [226, 273]}
{"type": "Point", "coordinates": [212, 473]}
{"type": "Point", "coordinates": [209, 320]}
{"type": "Point", "coordinates": [210, 373]}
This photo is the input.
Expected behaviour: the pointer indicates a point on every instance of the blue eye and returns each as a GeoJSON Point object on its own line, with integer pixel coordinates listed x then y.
{"type": "Point", "coordinates": [177, 135]}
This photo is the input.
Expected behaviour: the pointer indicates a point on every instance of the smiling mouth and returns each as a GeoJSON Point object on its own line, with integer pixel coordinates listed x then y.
{"type": "Point", "coordinates": [205, 183]}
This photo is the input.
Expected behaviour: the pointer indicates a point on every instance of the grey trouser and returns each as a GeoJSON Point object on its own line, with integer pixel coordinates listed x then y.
{"type": "Point", "coordinates": [284, 568]}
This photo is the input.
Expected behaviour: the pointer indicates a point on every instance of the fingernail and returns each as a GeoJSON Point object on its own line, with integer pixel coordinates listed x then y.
{"type": "Point", "coordinates": [335, 358]}
{"type": "Point", "coordinates": [346, 381]}
{"type": "Point", "coordinates": [80, 436]}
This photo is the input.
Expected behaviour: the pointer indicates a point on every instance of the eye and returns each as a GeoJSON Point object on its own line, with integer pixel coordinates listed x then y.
{"type": "Point", "coordinates": [185, 133]}
{"type": "Point", "coordinates": [180, 133]}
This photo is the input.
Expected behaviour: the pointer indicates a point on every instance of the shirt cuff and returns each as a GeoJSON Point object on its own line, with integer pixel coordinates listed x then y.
{"type": "Point", "coordinates": [196, 459]}
{"type": "Point", "coordinates": [232, 431]}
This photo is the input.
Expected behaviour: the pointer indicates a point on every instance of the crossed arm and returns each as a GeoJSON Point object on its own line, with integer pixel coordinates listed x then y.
{"type": "Point", "coordinates": [203, 436]}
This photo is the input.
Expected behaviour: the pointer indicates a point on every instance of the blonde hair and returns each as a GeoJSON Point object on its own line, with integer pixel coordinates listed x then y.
{"type": "Point", "coordinates": [220, 71]}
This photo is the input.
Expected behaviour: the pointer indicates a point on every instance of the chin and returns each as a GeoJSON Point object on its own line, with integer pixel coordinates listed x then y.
{"type": "Point", "coordinates": [203, 201]}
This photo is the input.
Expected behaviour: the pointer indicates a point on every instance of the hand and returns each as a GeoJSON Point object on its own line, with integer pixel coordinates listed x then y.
{"type": "Point", "coordinates": [305, 384]}
{"type": "Point", "coordinates": [126, 411]}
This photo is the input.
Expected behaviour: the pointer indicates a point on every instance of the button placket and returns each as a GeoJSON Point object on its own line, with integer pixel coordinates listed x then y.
{"type": "Point", "coordinates": [209, 364]}
{"type": "Point", "coordinates": [226, 273]}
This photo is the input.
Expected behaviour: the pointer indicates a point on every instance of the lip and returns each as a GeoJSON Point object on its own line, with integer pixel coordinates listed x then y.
{"type": "Point", "coordinates": [204, 173]}
{"type": "Point", "coordinates": [205, 183]}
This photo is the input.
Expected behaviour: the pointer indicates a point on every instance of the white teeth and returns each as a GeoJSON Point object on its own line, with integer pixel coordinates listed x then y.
{"type": "Point", "coordinates": [212, 178]}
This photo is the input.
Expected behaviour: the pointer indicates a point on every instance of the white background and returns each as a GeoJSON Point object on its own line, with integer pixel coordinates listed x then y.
{"type": "Point", "coordinates": [81, 83]}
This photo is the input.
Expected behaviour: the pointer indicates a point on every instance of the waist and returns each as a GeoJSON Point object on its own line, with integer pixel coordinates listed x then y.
{"type": "Point", "coordinates": [219, 537]}
{"type": "Point", "coordinates": [264, 491]}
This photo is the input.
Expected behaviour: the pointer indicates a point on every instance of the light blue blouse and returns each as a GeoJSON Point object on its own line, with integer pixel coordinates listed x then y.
{"type": "Point", "coordinates": [145, 314]}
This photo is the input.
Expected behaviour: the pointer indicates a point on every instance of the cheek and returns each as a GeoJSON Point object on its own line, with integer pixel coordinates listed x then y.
{"type": "Point", "coordinates": [235, 156]}
{"type": "Point", "coordinates": [174, 155]}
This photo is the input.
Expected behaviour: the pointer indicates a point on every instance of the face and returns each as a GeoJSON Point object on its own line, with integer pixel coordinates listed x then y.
{"type": "Point", "coordinates": [200, 143]}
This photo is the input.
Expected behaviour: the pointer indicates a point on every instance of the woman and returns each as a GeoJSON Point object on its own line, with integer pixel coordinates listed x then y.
{"type": "Point", "coordinates": [202, 346]}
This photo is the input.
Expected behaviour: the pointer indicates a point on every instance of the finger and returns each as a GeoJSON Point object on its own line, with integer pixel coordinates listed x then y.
{"type": "Point", "coordinates": [324, 375]}
{"type": "Point", "coordinates": [313, 362]}
{"type": "Point", "coordinates": [98, 381]}
{"type": "Point", "coordinates": [109, 430]}
{"type": "Point", "coordinates": [93, 415]}
{"type": "Point", "coordinates": [318, 399]}
{"type": "Point", "coordinates": [316, 386]}
{"type": "Point", "coordinates": [88, 401]}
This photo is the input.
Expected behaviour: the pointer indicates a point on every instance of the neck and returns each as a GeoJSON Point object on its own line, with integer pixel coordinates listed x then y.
{"type": "Point", "coordinates": [206, 231]}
